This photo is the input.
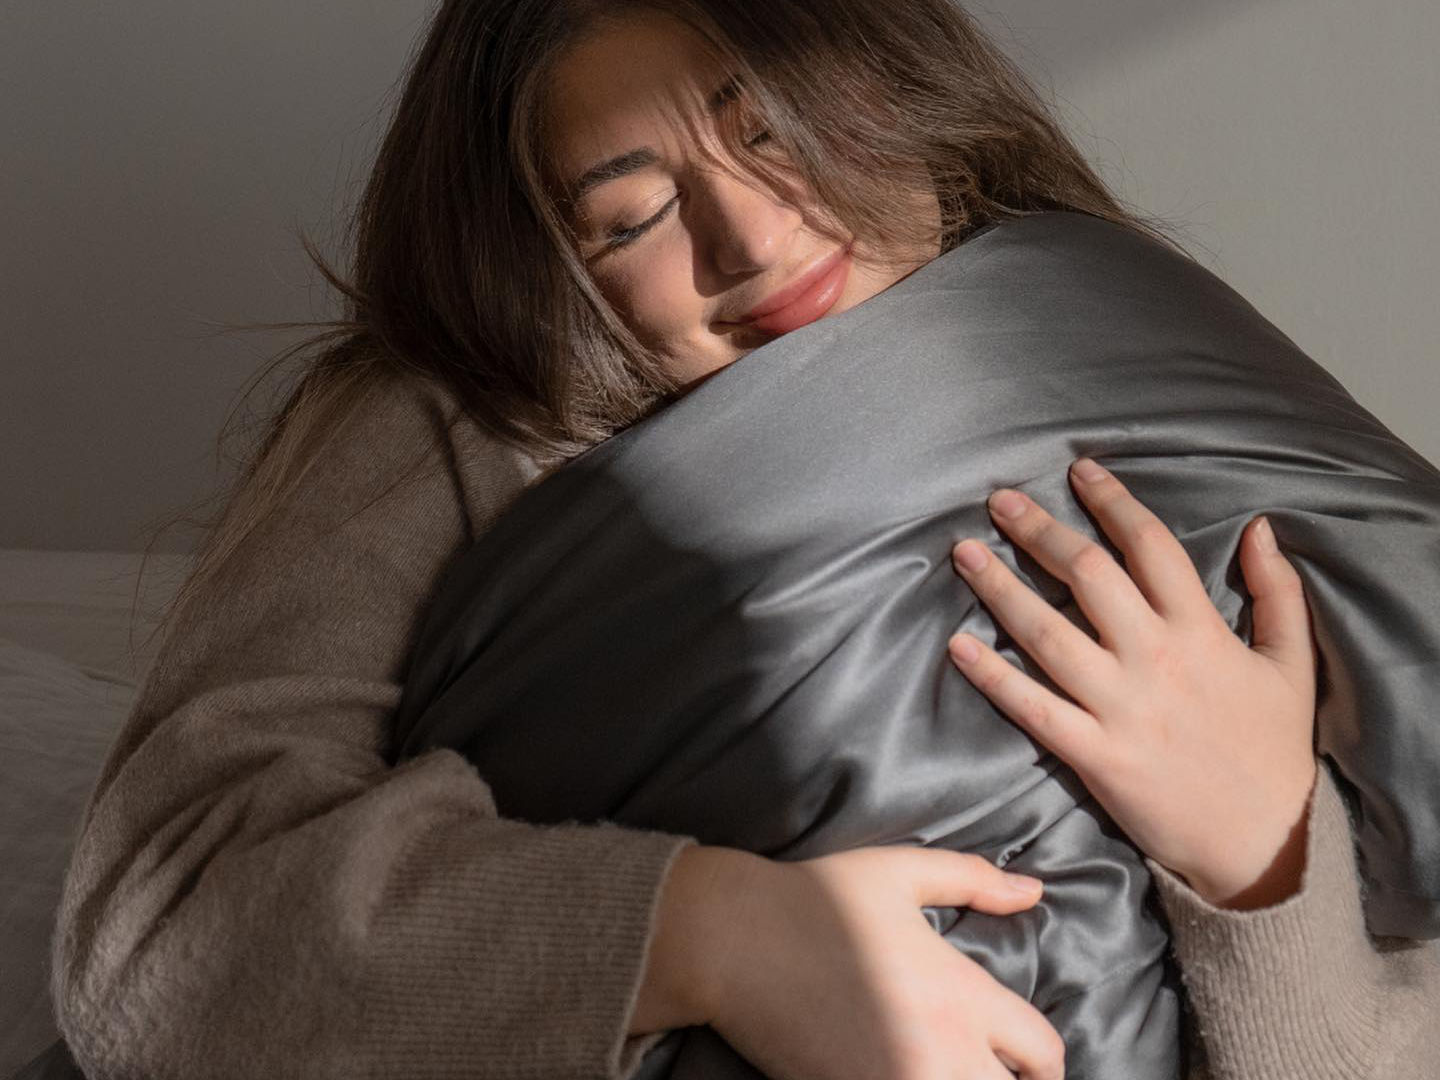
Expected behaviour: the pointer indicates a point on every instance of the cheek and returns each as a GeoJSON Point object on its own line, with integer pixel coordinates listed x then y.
{"type": "Point", "coordinates": [867, 279]}
{"type": "Point", "coordinates": [653, 292]}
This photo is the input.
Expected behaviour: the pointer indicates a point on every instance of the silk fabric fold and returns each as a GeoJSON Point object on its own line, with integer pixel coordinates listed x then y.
{"type": "Point", "coordinates": [731, 619]}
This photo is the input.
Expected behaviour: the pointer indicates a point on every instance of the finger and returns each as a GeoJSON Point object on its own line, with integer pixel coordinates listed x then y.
{"type": "Point", "coordinates": [1280, 618]}
{"type": "Point", "coordinates": [1105, 593]}
{"type": "Point", "coordinates": [1027, 1044]}
{"type": "Point", "coordinates": [1055, 723]}
{"type": "Point", "coordinates": [1155, 559]}
{"type": "Point", "coordinates": [939, 877]}
{"type": "Point", "coordinates": [1076, 662]}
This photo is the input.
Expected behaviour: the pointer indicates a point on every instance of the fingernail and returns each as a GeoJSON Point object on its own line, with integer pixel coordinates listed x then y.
{"type": "Point", "coordinates": [1008, 504]}
{"type": "Point", "coordinates": [1024, 885]}
{"type": "Point", "coordinates": [964, 649]}
{"type": "Point", "coordinates": [971, 555]}
{"type": "Point", "coordinates": [1265, 536]}
{"type": "Point", "coordinates": [1086, 469]}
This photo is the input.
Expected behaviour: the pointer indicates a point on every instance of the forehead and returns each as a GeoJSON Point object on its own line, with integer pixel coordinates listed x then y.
{"type": "Point", "coordinates": [615, 89]}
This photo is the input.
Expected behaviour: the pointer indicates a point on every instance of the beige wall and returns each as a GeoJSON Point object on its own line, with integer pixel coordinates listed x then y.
{"type": "Point", "coordinates": [157, 152]}
{"type": "Point", "coordinates": [1297, 142]}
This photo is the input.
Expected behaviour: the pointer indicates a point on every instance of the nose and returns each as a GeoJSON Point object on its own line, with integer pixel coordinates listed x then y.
{"type": "Point", "coordinates": [749, 229]}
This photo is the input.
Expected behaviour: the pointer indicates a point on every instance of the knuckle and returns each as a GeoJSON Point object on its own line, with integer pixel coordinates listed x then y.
{"type": "Point", "coordinates": [1053, 1050]}
{"type": "Point", "coordinates": [1090, 564]}
{"type": "Point", "coordinates": [1036, 527]}
{"type": "Point", "coordinates": [995, 581]}
{"type": "Point", "coordinates": [1160, 655]}
{"type": "Point", "coordinates": [1031, 517]}
{"type": "Point", "coordinates": [1043, 1048]}
{"type": "Point", "coordinates": [973, 865]}
{"type": "Point", "coordinates": [1033, 712]}
{"type": "Point", "coordinates": [1047, 638]}
{"type": "Point", "coordinates": [1046, 1045]}
{"type": "Point", "coordinates": [1152, 532]}
{"type": "Point", "coordinates": [992, 679]}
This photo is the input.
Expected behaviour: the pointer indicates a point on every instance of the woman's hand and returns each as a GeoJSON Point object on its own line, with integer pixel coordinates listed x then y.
{"type": "Point", "coordinates": [827, 969]}
{"type": "Point", "coordinates": [1200, 747]}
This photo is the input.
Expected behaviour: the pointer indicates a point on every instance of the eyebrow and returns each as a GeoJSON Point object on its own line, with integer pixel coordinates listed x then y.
{"type": "Point", "coordinates": [634, 160]}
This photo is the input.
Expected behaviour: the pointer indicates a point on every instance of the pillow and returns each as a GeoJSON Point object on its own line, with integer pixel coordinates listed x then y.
{"type": "Point", "coordinates": [730, 620]}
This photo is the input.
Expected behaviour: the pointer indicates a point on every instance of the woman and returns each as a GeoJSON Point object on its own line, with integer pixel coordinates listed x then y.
{"type": "Point", "coordinates": [250, 867]}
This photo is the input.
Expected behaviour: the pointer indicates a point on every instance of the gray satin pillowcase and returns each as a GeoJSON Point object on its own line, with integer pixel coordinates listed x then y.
{"type": "Point", "coordinates": [730, 620]}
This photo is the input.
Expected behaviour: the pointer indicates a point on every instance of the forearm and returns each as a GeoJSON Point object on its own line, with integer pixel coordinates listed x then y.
{"type": "Point", "coordinates": [256, 892]}
{"type": "Point", "coordinates": [1298, 988]}
{"type": "Point", "coordinates": [298, 921]}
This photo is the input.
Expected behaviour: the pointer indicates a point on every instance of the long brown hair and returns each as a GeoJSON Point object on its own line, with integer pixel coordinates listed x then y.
{"type": "Point", "coordinates": [462, 270]}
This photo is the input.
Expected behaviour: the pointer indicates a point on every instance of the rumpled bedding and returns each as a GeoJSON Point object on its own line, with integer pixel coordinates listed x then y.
{"type": "Point", "coordinates": [730, 620]}
{"type": "Point", "coordinates": [75, 640]}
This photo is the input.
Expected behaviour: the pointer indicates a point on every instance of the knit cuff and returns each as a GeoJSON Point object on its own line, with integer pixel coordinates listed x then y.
{"type": "Point", "coordinates": [1287, 990]}
{"type": "Point", "coordinates": [514, 951]}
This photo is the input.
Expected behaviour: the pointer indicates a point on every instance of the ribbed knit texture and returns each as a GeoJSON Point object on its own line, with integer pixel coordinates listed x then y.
{"type": "Point", "coordinates": [256, 893]}
{"type": "Point", "coordinates": [1299, 989]}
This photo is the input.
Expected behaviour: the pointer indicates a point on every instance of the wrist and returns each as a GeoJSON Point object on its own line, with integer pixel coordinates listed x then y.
{"type": "Point", "coordinates": [693, 938]}
{"type": "Point", "coordinates": [1263, 879]}
{"type": "Point", "coordinates": [1276, 881]}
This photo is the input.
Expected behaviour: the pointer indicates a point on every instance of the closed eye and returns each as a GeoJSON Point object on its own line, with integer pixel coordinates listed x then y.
{"type": "Point", "coordinates": [618, 238]}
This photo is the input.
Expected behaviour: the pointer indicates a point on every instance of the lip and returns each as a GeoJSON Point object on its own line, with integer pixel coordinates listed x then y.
{"type": "Point", "coordinates": [805, 299]}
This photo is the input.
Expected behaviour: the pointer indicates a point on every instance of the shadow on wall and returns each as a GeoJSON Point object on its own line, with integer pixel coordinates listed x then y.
{"type": "Point", "coordinates": [1055, 42]}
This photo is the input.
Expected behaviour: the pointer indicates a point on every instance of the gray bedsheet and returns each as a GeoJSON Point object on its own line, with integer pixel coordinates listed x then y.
{"type": "Point", "coordinates": [75, 640]}
{"type": "Point", "coordinates": [730, 620]}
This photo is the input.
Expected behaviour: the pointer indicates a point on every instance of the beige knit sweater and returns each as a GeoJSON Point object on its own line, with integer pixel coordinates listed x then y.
{"type": "Point", "coordinates": [255, 893]}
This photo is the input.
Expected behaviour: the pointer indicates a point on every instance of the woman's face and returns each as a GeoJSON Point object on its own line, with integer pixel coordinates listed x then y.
{"type": "Point", "coordinates": [683, 248]}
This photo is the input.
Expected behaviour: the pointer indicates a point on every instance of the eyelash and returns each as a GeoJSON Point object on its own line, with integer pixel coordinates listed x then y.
{"type": "Point", "coordinates": [619, 238]}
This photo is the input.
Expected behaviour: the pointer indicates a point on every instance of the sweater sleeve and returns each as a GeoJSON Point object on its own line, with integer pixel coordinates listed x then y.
{"type": "Point", "coordinates": [1300, 989]}
{"type": "Point", "coordinates": [255, 891]}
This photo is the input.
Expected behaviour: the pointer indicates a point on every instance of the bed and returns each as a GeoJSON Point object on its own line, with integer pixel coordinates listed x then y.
{"type": "Point", "coordinates": [71, 661]}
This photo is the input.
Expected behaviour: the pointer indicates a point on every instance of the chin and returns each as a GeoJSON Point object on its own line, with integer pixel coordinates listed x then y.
{"type": "Point", "coordinates": [744, 339]}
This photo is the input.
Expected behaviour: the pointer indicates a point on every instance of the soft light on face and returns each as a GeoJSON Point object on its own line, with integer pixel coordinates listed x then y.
{"type": "Point", "coordinates": [682, 247]}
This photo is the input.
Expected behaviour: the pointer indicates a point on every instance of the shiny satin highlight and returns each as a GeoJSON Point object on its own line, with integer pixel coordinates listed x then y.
{"type": "Point", "coordinates": [730, 620]}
